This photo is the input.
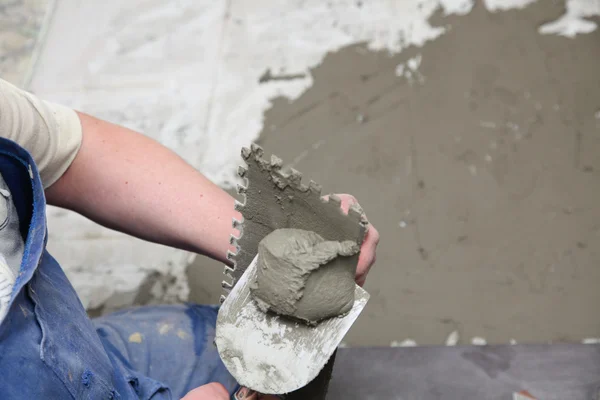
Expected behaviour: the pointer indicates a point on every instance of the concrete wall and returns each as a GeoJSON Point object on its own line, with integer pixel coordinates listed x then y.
{"type": "Point", "coordinates": [466, 129]}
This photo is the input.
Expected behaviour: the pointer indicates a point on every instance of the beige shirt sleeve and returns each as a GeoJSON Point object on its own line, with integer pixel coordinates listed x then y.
{"type": "Point", "coordinates": [51, 133]}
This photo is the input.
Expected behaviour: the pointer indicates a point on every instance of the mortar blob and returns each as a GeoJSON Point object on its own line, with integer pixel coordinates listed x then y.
{"type": "Point", "coordinates": [303, 276]}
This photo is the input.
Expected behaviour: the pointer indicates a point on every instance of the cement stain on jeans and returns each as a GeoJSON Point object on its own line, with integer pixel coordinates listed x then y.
{"type": "Point", "coordinates": [135, 337]}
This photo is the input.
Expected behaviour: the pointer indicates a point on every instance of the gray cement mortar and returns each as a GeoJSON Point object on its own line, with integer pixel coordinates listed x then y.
{"type": "Point", "coordinates": [303, 276]}
{"type": "Point", "coordinates": [483, 180]}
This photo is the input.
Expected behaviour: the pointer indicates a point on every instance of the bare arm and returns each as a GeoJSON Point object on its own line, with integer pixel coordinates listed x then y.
{"type": "Point", "coordinates": [130, 183]}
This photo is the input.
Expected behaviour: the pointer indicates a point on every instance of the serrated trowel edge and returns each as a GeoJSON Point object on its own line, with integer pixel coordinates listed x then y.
{"type": "Point", "coordinates": [285, 179]}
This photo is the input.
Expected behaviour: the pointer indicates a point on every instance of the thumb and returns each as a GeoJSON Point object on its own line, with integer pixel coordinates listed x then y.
{"type": "Point", "coordinates": [211, 391]}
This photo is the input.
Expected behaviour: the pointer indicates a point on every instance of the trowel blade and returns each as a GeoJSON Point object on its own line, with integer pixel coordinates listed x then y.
{"type": "Point", "coordinates": [272, 354]}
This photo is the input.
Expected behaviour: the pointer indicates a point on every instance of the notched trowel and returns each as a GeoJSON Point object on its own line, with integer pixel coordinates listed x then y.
{"type": "Point", "coordinates": [265, 352]}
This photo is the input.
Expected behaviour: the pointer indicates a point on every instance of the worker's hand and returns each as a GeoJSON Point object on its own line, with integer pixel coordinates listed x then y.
{"type": "Point", "coordinates": [211, 391]}
{"type": "Point", "coordinates": [367, 255]}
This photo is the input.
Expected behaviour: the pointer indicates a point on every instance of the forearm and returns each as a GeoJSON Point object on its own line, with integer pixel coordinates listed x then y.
{"type": "Point", "coordinates": [130, 183]}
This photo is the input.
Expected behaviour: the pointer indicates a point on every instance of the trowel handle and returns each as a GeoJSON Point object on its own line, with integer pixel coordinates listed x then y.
{"type": "Point", "coordinates": [244, 394]}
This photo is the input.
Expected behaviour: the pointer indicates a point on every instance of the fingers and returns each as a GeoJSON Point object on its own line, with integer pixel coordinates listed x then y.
{"type": "Point", "coordinates": [211, 391]}
{"type": "Point", "coordinates": [367, 256]}
{"type": "Point", "coordinates": [347, 201]}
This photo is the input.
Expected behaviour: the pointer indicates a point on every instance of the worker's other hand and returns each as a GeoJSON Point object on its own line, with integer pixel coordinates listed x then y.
{"type": "Point", "coordinates": [367, 256]}
{"type": "Point", "coordinates": [210, 391]}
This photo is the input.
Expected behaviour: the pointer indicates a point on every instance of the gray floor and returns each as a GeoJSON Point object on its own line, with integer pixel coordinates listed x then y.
{"type": "Point", "coordinates": [557, 372]}
{"type": "Point", "coordinates": [483, 179]}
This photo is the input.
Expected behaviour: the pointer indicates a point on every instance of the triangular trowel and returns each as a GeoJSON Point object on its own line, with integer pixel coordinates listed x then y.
{"type": "Point", "coordinates": [265, 352]}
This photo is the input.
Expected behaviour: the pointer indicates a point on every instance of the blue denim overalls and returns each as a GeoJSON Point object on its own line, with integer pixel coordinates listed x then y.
{"type": "Point", "coordinates": [50, 349]}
